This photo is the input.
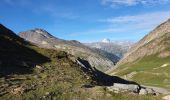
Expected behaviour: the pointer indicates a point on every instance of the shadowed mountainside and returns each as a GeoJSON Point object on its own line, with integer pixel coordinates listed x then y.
{"type": "Point", "coordinates": [14, 53]}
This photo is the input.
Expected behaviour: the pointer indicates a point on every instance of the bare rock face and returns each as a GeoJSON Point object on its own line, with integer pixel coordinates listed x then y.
{"type": "Point", "coordinates": [43, 39]}
{"type": "Point", "coordinates": [149, 44]}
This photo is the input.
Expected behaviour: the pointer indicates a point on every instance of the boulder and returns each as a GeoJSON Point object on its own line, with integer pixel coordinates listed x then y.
{"type": "Point", "coordinates": [147, 91]}
{"type": "Point", "coordinates": [118, 87]}
{"type": "Point", "coordinates": [150, 91]}
{"type": "Point", "coordinates": [143, 91]}
{"type": "Point", "coordinates": [130, 87]}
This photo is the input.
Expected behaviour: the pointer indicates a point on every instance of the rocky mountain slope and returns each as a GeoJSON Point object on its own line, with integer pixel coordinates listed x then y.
{"type": "Point", "coordinates": [118, 48]}
{"type": "Point", "coordinates": [44, 39]}
{"type": "Point", "coordinates": [147, 62]}
{"type": "Point", "coordinates": [28, 72]}
{"type": "Point", "coordinates": [149, 44]}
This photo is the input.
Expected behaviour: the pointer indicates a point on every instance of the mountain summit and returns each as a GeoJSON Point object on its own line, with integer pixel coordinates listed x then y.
{"type": "Point", "coordinates": [44, 39]}
{"type": "Point", "coordinates": [106, 40]}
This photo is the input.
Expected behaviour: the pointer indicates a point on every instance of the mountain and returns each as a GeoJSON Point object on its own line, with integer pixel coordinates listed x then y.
{"type": "Point", "coordinates": [108, 55]}
{"type": "Point", "coordinates": [106, 40]}
{"type": "Point", "coordinates": [43, 39]}
{"type": "Point", "coordinates": [118, 48]}
{"type": "Point", "coordinates": [28, 72]}
{"type": "Point", "coordinates": [148, 61]}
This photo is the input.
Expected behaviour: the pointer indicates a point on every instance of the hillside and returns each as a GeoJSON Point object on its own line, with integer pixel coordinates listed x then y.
{"type": "Point", "coordinates": [44, 39]}
{"type": "Point", "coordinates": [28, 72]}
{"type": "Point", "coordinates": [148, 61]}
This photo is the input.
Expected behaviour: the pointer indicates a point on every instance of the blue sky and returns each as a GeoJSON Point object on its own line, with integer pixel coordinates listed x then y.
{"type": "Point", "coordinates": [86, 20]}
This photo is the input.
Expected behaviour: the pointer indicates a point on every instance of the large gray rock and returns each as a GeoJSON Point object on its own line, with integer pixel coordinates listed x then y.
{"type": "Point", "coordinates": [134, 88]}
{"type": "Point", "coordinates": [118, 87]}
{"type": "Point", "coordinates": [147, 91]}
{"type": "Point", "coordinates": [130, 87]}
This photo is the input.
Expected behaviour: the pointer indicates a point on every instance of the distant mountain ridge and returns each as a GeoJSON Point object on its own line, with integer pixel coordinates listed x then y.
{"type": "Point", "coordinates": [44, 39]}
{"type": "Point", "coordinates": [118, 48]}
{"type": "Point", "coordinates": [106, 40]}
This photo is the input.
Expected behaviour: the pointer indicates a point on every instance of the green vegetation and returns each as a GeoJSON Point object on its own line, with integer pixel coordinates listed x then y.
{"type": "Point", "coordinates": [150, 70]}
{"type": "Point", "coordinates": [28, 72]}
{"type": "Point", "coordinates": [60, 78]}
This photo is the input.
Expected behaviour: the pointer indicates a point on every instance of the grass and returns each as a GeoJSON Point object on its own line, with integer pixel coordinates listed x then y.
{"type": "Point", "coordinates": [58, 78]}
{"type": "Point", "coordinates": [148, 69]}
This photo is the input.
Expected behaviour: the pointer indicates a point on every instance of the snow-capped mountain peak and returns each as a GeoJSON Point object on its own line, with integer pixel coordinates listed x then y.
{"type": "Point", "coordinates": [106, 40]}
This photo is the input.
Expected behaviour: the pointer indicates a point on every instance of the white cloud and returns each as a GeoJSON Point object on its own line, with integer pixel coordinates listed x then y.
{"type": "Point", "coordinates": [142, 21]}
{"type": "Point", "coordinates": [115, 3]}
{"type": "Point", "coordinates": [129, 24]}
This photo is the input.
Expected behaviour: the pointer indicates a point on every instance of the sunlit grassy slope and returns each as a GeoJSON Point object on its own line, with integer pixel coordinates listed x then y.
{"type": "Point", "coordinates": [150, 70]}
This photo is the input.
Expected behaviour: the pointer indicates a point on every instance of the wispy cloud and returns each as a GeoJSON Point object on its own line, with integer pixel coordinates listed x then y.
{"type": "Point", "coordinates": [116, 3]}
{"type": "Point", "coordinates": [142, 21]}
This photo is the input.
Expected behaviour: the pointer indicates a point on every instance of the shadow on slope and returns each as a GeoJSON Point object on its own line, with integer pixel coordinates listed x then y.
{"type": "Point", "coordinates": [15, 55]}
{"type": "Point", "coordinates": [101, 78]}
